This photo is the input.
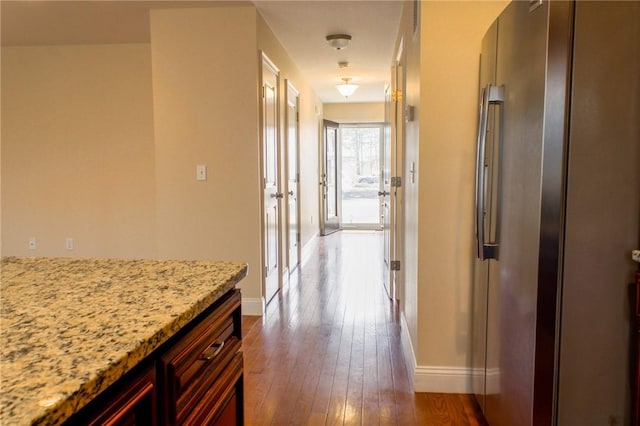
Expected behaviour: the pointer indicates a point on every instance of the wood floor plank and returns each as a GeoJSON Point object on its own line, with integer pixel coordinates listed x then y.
{"type": "Point", "coordinates": [472, 410]}
{"type": "Point", "coordinates": [355, 385]}
{"type": "Point", "coordinates": [421, 406]}
{"type": "Point", "coordinates": [299, 357]}
{"type": "Point", "coordinates": [370, 403]}
{"type": "Point", "coordinates": [438, 410]}
{"type": "Point", "coordinates": [329, 352]}
{"type": "Point", "coordinates": [327, 372]}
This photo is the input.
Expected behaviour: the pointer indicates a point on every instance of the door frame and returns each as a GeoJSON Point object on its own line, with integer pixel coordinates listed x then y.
{"type": "Point", "coordinates": [356, 125]}
{"type": "Point", "coordinates": [386, 167]}
{"type": "Point", "coordinates": [291, 93]}
{"type": "Point", "coordinates": [267, 64]}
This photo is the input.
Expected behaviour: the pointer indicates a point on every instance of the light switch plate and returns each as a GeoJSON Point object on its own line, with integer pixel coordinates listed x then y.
{"type": "Point", "coordinates": [201, 172]}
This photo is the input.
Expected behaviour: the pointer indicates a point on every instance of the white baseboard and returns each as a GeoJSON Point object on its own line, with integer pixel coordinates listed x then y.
{"type": "Point", "coordinates": [407, 349]}
{"type": "Point", "coordinates": [442, 379]}
{"type": "Point", "coordinates": [308, 248]}
{"type": "Point", "coordinates": [252, 306]}
{"type": "Point", "coordinates": [256, 306]}
{"type": "Point", "coordinates": [430, 378]}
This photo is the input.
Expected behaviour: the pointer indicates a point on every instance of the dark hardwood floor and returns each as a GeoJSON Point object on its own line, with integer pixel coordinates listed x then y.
{"type": "Point", "coordinates": [328, 350]}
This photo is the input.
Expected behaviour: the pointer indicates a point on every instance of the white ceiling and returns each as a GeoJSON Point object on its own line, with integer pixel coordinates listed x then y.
{"type": "Point", "coordinates": [300, 25]}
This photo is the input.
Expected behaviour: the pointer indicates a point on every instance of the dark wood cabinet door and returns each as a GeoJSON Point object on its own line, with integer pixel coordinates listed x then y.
{"type": "Point", "coordinates": [135, 404]}
{"type": "Point", "coordinates": [222, 403]}
{"type": "Point", "coordinates": [200, 369]}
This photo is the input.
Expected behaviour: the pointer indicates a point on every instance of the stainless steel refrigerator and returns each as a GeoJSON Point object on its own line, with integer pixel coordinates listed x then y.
{"type": "Point", "coordinates": [557, 213]}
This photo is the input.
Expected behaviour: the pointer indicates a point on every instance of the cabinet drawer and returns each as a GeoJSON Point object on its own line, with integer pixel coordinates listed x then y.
{"type": "Point", "coordinates": [196, 360]}
{"type": "Point", "coordinates": [221, 404]}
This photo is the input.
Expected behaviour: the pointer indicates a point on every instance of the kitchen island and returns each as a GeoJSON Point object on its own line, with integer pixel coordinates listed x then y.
{"type": "Point", "coordinates": [70, 328]}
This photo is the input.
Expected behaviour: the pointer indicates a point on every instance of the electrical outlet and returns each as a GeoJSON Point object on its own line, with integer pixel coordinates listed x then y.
{"type": "Point", "coordinates": [68, 243]}
{"type": "Point", "coordinates": [32, 243]}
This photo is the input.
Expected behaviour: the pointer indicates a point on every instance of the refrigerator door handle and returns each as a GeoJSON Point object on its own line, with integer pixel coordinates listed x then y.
{"type": "Point", "coordinates": [481, 171]}
{"type": "Point", "coordinates": [489, 95]}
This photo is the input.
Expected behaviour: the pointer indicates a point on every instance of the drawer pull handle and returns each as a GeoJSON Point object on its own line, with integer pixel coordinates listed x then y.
{"type": "Point", "coordinates": [212, 351]}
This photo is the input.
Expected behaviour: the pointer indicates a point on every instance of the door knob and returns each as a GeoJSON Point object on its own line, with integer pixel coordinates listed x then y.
{"type": "Point", "coordinates": [291, 193]}
{"type": "Point", "coordinates": [383, 193]}
{"type": "Point", "coordinates": [277, 195]}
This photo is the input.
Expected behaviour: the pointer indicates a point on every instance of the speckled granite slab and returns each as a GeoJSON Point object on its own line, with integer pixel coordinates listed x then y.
{"type": "Point", "coordinates": [71, 327]}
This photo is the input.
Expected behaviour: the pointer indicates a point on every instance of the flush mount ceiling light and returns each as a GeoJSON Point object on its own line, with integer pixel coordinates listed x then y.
{"type": "Point", "coordinates": [338, 41]}
{"type": "Point", "coordinates": [346, 89]}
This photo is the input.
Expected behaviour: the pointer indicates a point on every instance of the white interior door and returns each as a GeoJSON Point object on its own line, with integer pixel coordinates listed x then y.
{"type": "Point", "coordinates": [293, 178]}
{"type": "Point", "coordinates": [385, 195]}
{"type": "Point", "coordinates": [399, 121]}
{"type": "Point", "coordinates": [271, 193]}
{"type": "Point", "coordinates": [391, 173]}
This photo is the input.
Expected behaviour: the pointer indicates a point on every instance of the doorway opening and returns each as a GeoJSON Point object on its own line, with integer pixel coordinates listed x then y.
{"type": "Point", "coordinates": [360, 152]}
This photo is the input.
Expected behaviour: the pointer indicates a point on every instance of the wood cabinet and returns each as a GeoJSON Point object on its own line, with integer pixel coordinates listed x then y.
{"type": "Point", "coordinates": [201, 371]}
{"type": "Point", "coordinates": [134, 404]}
{"type": "Point", "coordinates": [195, 378]}
{"type": "Point", "coordinates": [634, 370]}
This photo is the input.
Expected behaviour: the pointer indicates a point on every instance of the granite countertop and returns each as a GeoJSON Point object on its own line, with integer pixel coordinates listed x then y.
{"type": "Point", "coordinates": [69, 328]}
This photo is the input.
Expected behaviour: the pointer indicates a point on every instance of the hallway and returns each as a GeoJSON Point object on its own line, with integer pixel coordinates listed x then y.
{"type": "Point", "coordinates": [328, 350]}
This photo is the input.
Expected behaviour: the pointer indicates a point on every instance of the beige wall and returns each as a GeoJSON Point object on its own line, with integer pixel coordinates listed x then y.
{"type": "Point", "coordinates": [438, 207]}
{"type": "Point", "coordinates": [361, 112]}
{"type": "Point", "coordinates": [101, 142]}
{"type": "Point", "coordinates": [206, 112]}
{"type": "Point", "coordinates": [77, 150]}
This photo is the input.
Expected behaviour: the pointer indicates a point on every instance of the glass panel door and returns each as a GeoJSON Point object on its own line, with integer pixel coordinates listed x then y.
{"type": "Point", "coordinates": [330, 220]}
{"type": "Point", "coordinates": [360, 147]}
